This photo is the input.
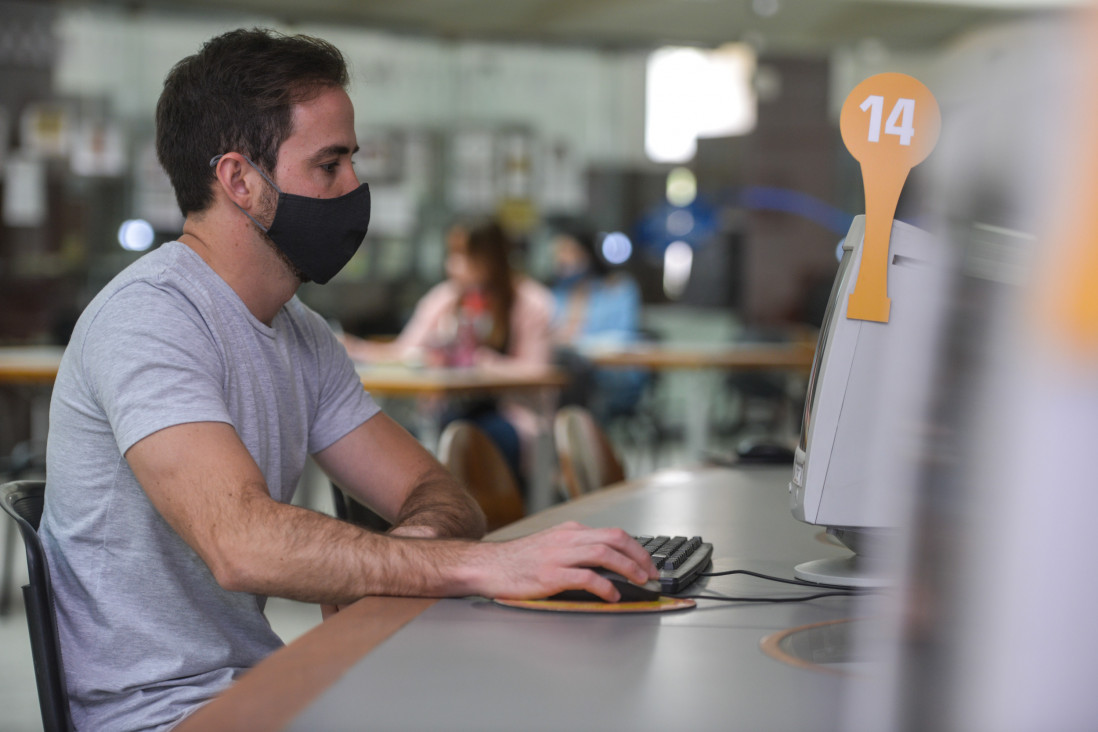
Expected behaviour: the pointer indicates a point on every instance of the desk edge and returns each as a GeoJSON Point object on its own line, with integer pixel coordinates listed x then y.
{"type": "Point", "coordinates": [275, 691]}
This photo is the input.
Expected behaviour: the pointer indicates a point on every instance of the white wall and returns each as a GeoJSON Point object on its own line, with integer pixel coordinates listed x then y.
{"type": "Point", "coordinates": [593, 101]}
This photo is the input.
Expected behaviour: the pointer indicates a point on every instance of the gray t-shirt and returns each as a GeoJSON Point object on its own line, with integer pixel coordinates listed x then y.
{"type": "Point", "coordinates": [146, 632]}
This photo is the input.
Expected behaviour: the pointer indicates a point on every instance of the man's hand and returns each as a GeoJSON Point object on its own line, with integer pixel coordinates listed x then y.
{"type": "Point", "coordinates": [558, 559]}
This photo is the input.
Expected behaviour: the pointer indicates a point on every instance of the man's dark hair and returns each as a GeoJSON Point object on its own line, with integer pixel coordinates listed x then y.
{"type": "Point", "coordinates": [237, 95]}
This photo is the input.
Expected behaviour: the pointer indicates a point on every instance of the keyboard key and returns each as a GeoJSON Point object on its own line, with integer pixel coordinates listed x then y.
{"type": "Point", "coordinates": [654, 545]}
{"type": "Point", "coordinates": [676, 560]}
{"type": "Point", "coordinates": [673, 545]}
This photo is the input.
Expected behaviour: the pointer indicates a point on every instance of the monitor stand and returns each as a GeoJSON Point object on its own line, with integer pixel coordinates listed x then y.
{"type": "Point", "coordinates": [865, 567]}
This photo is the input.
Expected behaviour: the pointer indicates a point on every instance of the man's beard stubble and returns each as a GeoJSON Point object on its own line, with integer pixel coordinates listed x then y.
{"type": "Point", "coordinates": [268, 204]}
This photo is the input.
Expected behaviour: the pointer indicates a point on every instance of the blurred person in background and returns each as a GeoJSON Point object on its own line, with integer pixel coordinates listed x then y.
{"type": "Point", "coordinates": [484, 315]}
{"type": "Point", "coordinates": [594, 305]}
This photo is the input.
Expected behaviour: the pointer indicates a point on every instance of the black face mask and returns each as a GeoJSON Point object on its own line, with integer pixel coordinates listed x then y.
{"type": "Point", "coordinates": [318, 235]}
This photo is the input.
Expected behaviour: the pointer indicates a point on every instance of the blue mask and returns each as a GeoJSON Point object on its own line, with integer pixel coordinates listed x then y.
{"type": "Point", "coordinates": [569, 277]}
{"type": "Point", "coordinates": [318, 235]}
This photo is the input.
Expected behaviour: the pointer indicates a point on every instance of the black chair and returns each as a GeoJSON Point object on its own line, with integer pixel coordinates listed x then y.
{"type": "Point", "coordinates": [23, 501]}
{"type": "Point", "coordinates": [26, 461]}
{"type": "Point", "coordinates": [348, 509]}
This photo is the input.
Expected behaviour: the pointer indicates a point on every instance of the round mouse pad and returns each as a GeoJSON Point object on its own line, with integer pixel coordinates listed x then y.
{"type": "Point", "coordinates": [662, 605]}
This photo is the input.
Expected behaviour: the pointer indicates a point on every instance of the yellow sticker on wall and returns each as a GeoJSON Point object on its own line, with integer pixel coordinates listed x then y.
{"type": "Point", "coordinates": [889, 123]}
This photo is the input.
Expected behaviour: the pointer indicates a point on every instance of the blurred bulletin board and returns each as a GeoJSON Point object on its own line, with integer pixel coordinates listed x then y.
{"type": "Point", "coordinates": [493, 172]}
{"type": "Point", "coordinates": [45, 129]}
{"type": "Point", "coordinates": [470, 179]}
{"type": "Point", "coordinates": [24, 202]}
{"type": "Point", "coordinates": [380, 163]}
{"type": "Point", "coordinates": [98, 148]}
{"type": "Point", "coordinates": [562, 189]}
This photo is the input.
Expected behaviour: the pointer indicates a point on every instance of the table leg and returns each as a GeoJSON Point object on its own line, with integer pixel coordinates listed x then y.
{"type": "Point", "coordinates": [698, 394]}
{"type": "Point", "coordinates": [540, 494]}
{"type": "Point", "coordinates": [40, 417]}
{"type": "Point", "coordinates": [428, 417]}
{"type": "Point", "coordinates": [542, 491]}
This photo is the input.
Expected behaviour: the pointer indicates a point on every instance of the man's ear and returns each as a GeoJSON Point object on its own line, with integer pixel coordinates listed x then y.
{"type": "Point", "coordinates": [238, 180]}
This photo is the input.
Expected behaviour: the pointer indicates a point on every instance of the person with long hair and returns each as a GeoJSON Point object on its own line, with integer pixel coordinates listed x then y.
{"type": "Point", "coordinates": [484, 314]}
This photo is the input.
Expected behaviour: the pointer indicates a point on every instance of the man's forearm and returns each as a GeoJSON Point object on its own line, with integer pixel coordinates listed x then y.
{"type": "Point", "coordinates": [440, 503]}
{"type": "Point", "coordinates": [314, 558]}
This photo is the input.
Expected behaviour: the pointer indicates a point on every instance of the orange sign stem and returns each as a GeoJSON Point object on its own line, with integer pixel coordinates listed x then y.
{"type": "Point", "coordinates": [870, 300]}
{"type": "Point", "coordinates": [889, 123]}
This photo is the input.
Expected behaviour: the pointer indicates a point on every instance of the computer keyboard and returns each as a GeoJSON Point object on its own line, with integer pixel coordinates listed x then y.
{"type": "Point", "coordinates": [678, 558]}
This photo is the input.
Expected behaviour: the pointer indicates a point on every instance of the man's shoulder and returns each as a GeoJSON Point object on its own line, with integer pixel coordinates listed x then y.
{"type": "Point", "coordinates": [170, 264]}
{"type": "Point", "coordinates": [152, 282]}
{"type": "Point", "coordinates": [171, 279]}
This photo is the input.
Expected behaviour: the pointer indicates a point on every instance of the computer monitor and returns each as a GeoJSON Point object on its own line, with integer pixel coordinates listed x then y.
{"type": "Point", "coordinates": [863, 404]}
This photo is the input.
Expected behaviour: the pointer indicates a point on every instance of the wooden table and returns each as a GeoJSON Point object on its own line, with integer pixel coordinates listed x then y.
{"type": "Point", "coordinates": [466, 663]}
{"type": "Point", "coordinates": [33, 365]}
{"type": "Point", "coordinates": [36, 367]}
{"type": "Point", "coordinates": [402, 381]}
{"type": "Point", "coordinates": [39, 364]}
{"type": "Point", "coordinates": [732, 356]}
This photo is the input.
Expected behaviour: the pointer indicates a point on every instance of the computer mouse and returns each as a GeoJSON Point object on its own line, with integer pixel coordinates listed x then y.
{"type": "Point", "coordinates": [630, 592]}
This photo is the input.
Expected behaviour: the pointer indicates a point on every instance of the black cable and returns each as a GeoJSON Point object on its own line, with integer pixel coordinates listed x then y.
{"type": "Point", "coordinates": [804, 598]}
{"type": "Point", "coordinates": [800, 583]}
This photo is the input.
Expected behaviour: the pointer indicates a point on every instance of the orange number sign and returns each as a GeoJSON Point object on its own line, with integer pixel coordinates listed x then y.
{"type": "Point", "coordinates": [889, 123]}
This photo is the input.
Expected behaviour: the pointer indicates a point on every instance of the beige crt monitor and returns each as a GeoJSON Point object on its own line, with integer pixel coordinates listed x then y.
{"type": "Point", "coordinates": [864, 402]}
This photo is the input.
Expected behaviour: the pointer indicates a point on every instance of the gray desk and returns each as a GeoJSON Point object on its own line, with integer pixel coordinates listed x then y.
{"type": "Point", "coordinates": [468, 664]}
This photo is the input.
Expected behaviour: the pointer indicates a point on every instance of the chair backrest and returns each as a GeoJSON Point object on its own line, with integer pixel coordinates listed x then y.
{"type": "Point", "coordinates": [587, 459]}
{"type": "Point", "coordinates": [23, 501]}
{"type": "Point", "coordinates": [347, 508]}
{"type": "Point", "coordinates": [471, 456]}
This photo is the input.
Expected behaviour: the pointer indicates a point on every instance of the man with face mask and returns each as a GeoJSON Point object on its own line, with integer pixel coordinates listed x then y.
{"type": "Point", "coordinates": [196, 384]}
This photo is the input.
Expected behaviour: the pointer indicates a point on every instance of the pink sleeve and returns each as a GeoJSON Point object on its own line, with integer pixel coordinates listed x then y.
{"type": "Point", "coordinates": [424, 323]}
{"type": "Point", "coordinates": [529, 343]}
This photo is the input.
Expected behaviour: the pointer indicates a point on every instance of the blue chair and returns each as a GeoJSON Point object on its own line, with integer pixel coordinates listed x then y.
{"type": "Point", "coordinates": [23, 501]}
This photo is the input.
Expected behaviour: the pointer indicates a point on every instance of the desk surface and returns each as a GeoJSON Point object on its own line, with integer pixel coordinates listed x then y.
{"type": "Point", "coordinates": [470, 664]}
{"type": "Point", "coordinates": [732, 356]}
